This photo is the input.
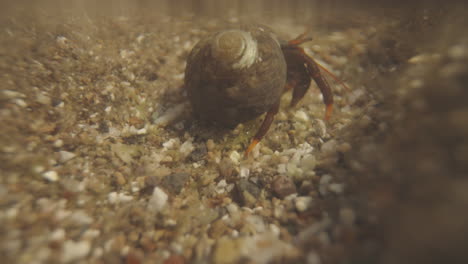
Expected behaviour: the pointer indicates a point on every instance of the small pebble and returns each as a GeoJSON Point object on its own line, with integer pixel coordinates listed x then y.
{"type": "Point", "coordinates": [186, 148]}
{"type": "Point", "coordinates": [158, 200]}
{"type": "Point", "coordinates": [58, 143]}
{"type": "Point", "coordinates": [244, 172]}
{"type": "Point", "coordinates": [283, 186]}
{"type": "Point", "coordinates": [170, 115]}
{"type": "Point", "coordinates": [115, 197]}
{"type": "Point", "coordinates": [301, 116]}
{"type": "Point", "coordinates": [65, 156]}
{"type": "Point", "coordinates": [51, 176]}
{"type": "Point", "coordinates": [337, 188]}
{"type": "Point", "coordinates": [174, 182]}
{"type": "Point", "coordinates": [235, 157]}
{"type": "Point", "coordinates": [73, 251]}
{"type": "Point", "coordinates": [329, 147]}
{"type": "Point", "coordinates": [57, 235]}
{"type": "Point", "coordinates": [302, 203]}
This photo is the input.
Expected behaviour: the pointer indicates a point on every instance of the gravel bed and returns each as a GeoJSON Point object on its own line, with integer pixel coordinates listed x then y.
{"type": "Point", "coordinates": [101, 160]}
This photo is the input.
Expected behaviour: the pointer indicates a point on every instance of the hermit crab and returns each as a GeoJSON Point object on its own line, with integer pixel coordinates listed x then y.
{"type": "Point", "coordinates": [236, 75]}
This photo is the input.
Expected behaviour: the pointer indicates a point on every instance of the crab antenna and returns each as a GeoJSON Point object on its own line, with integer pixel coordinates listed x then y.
{"type": "Point", "coordinates": [300, 39]}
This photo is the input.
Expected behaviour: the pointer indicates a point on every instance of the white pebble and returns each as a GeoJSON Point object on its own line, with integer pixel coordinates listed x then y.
{"type": "Point", "coordinates": [140, 38]}
{"type": "Point", "coordinates": [91, 234]}
{"type": "Point", "coordinates": [20, 102]}
{"type": "Point", "coordinates": [170, 115]}
{"type": "Point", "coordinates": [244, 172]}
{"type": "Point", "coordinates": [57, 235]}
{"type": "Point", "coordinates": [281, 168]}
{"type": "Point", "coordinates": [43, 99]}
{"type": "Point", "coordinates": [302, 203]}
{"type": "Point", "coordinates": [80, 217]}
{"type": "Point", "coordinates": [186, 148]}
{"type": "Point", "coordinates": [142, 131]}
{"type": "Point", "coordinates": [235, 156]}
{"type": "Point", "coordinates": [301, 116]}
{"type": "Point", "coordinates": [275, 230]}
{"type": "Point", "coordinates": [65, 156]}
{"type": "Point", "coordinates": [232, 208]}
{"type": "Point", "coordinates": [51, 176]}
{"type": "Point", "coordinates": [322, 127]}
{"type": "Point", "coordinates": [10, 94]}
{"type": "Point", "coordinates": [115, 197]}
{"type": "Point", "coordinates": [62, 41]}
{"type": "Point", "coordinates": [171, 143]}
{"type": "Point", "coordinates": [221, 187]}
{"type": "Point", "coordinates": [158, 200]}
{"type": "Point", "coordinates": [337, 188]}
{"type": "Point", "coordinates": [73, 251]}
{"type": "Point", "coordinates": [58, 143]}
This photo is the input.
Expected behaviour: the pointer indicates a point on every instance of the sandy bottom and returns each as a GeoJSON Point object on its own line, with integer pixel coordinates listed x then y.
{"type": "Point", "coordinates": [101, 160]}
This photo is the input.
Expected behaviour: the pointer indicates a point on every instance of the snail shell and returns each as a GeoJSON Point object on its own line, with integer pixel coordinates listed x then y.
{"type": "Point", "coordinates": [235, 75]}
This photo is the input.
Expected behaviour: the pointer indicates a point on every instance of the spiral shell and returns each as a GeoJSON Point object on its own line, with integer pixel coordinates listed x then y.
{"type": "Point", "coordinates": [235, 75]}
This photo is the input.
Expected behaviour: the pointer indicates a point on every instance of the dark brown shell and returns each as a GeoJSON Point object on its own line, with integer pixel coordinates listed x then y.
{"type": "Point", "coordinates": [226, 94]}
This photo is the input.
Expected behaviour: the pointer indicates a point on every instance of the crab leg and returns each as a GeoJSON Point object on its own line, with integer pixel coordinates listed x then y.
{"type": "Point", "coordinates": [314, 72]}
{"type": "Point", "coordinates": [269, 117]}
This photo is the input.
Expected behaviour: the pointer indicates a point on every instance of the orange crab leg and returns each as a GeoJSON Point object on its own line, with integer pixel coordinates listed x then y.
{"type": "Point", "coordinates": [269, 117]}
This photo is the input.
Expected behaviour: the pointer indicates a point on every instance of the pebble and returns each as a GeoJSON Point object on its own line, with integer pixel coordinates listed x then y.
{"type": "Point", "coordinates": [119, 178]}
{"type": "Point", "coordinates": [58, 143]}
{"type": "Point", "coordinates": [323, 183]}
{"type": "Point", "coordinates": [170, 115]}
{"type": "Point", "coordinates": [329, 147]}
{"type": "Point", "coordinates": [81, 218]}
{"type": "Point", "coordinates": [65, 156]}
{"type": "Point", "coordinates": [20, 102]}
{"type": "Point", "coordinates": [10, 94]}
{"type": "Point", "coordinates": [283, 186]}
{"type": "Point", "coordinates": [227, 251]}
{"type": "Point", "coordinates": [51, 176]}
{"type": "Point", "coordinates": [337, 188]}
{"type": "Point", "coordinates": [43, 99]}
{"type": "Point", "coordinates": [303, 203]}
{"type": "Point", "coordinates": [171, 143]}
{"type": "Point", "coordinates": [73, 251]}
{"type": "Point", "coordinates": [158, 200]}
{"type": "Point", "coordinates": [247, 191]}
{"type": "Point", "coordinates": [186, 148]}
{"type": "Point", "coordinates": [226, 168]}
{"type": "Point", "coordinates": [301, 116]}
{"type": "Point", "coordinates": [235, 157]}
{"type": "Point", "coordinates": [174, 182]}
{"type": "Point", "coordinates": [125, 152]}
{"type": "Point", "coordinates": [198, 153]}
{"type": "Point", "coordinates": [221, 186]}
{"type": "Point", "coordinates": [244, 172]}
{"type": "Point", "coordinates": [57, 235]}
{"type": "Point", "coordinates": [115, 198]}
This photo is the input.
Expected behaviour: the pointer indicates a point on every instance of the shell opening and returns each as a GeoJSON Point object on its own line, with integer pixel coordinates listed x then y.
{"type": "Point", "coordinates": [235, 48]}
